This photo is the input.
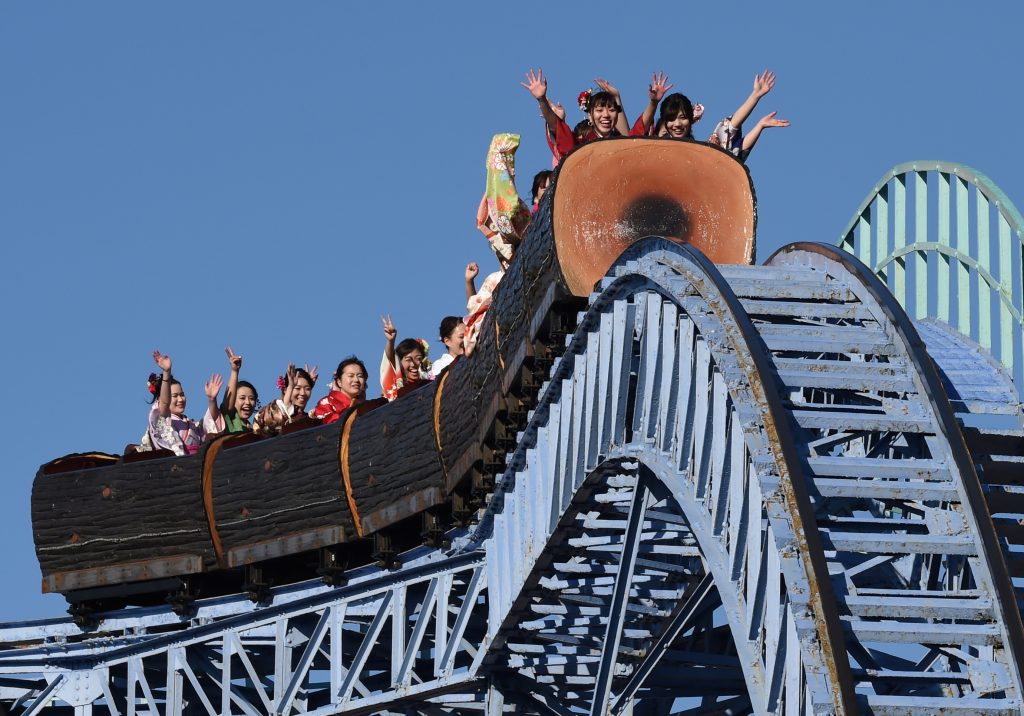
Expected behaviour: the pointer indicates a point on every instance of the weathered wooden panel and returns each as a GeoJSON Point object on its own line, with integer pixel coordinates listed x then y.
{"type": "Point", "coordinates": [287, 494]}
{"type": "Point", "coordinates": [127, 512]}
{"type": "Point", "coordinates": [392, 457]}
{"type": "Point", "coordinates": [278, 488]}
{"type": "Point", "coordinates": [458, 422]}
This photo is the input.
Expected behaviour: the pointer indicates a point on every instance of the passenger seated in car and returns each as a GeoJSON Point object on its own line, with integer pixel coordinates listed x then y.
{"type": "Point", "coordinates": [404, 366]}
{"type": "Point", "coordinates": [348, 388]}
{"type": "Point", "coordinates": [169, 427]}
{"type": "Point", "coordinates": [452, 331]}
{"type": "Point", "coordinates": [728, 133]}
{"type": "Point", "coordinates": [541, 182]}
{"type": "Point", "coordinates": [301, 382]}
{"type": "Point", "coordinates": [603, 109]}
{"type": "Point", "coordinates": [240, 398]}
{"type": "Point", "coordinates": [678, 115]}
{"type": "Point", "coordinates": [477, 303]}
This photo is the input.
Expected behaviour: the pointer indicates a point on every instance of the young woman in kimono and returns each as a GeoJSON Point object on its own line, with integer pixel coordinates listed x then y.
{"type": "Point", "coordinates": [169, 427]}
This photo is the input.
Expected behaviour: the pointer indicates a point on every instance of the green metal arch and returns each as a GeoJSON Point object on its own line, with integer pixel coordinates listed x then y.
{"type": "Point", "coordinates": [953, 240]}
{"type": "Point", "coordinates": [986, 185]}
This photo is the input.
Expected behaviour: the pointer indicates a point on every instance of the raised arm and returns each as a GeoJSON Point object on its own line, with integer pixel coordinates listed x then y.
{"type": "Point", "coordinates": [289, 386]}
{"type": "Point", "coordinates": [471, 271]}
{"type": "Point", "coordinates": [621, 123]}
{"type": "Point", "coordinates": [656, 91]}
{"type": "Point", "coordinates": [164, 399]}
{"type": "Point", "coordinates": [763, 84]}
{"type": "Point", "coordinates": [228, 405]}
{"type": "Point", "coordinates": [769, 120]}
{"type": "Point", "coordinates": [390, 333]}
{"type": "Point", "coordinates": [212, 388]}
{"type": "Point", "coordinates": [538, 87]}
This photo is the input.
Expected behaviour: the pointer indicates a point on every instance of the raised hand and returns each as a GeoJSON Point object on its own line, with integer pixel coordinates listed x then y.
{"type": "Point", "coordinates": [763, 83]}
{"type": "Point", "coordinates": [290, 375]}
{"type": "Point", "coordinates": [606, 86]}
{"type": "Point", "coordinates": [472, 270]}
{"type": "Point", "coordinates": [536, 84]}
{"type": "Point", "coordinates": [659, 86]}
{"type": "Point", "coordinates": [770, 120]}
{"type": "Point", "coordinates": [390, 332]}
{"type": "Point", "coordinates": [163, 362]}
{"type": "Point", "coordinates": [558, 109]}
{"type": "Point", "coordinates": [312, 372]}
{"type": "Point", "coordinates": [212, 386]}
{"type": "Point", "coordinates": [233, 359]}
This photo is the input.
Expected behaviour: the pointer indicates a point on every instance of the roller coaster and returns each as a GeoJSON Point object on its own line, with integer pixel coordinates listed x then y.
{"type": "Point", "coordinates": [668, 481]}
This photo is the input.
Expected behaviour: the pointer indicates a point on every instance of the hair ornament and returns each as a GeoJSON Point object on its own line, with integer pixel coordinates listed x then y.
{"type": "Point", "coordinates": [584, 99]}
{"type": "Point", "coordinates": [281, 383]}
{"type": "Point", "coordinates": [151, 382]}
{"type": "Point", "coordinates": [425, 344]}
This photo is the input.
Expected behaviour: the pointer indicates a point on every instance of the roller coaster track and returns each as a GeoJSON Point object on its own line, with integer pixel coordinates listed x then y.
{"type": "Point", "coordinates": [949, 243]}
{"type": "Point", "coordinates": [744, 489]}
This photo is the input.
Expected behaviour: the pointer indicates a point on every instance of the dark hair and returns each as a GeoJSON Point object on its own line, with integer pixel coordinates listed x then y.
{"type": "Point", "coordinates": [250, 386]}
{"type": "Point", "coordinates": [408, 346]}
{"type": "Point", "coordinates": [450, 323]}
{"type": "Point", "coordinates": [301, 373]}
{"type": "Point", "coordinates": [538, 181]}
{"type": "Point", "coordinates": [674, 105]}
{"type": "Point", "coordinates": [602, 99]}
{"type": "Point", "coordinates": [156, 381]}
{"type": "Point", "coordinates": [581, 128]}
{"type": "Point", "coordinates": [351, 360]}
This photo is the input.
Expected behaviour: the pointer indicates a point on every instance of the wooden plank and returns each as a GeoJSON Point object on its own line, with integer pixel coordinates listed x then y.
{"type": "Point", "coordinates": [276, 488]}
{"type": "Point", "coordinates": [124, 513]}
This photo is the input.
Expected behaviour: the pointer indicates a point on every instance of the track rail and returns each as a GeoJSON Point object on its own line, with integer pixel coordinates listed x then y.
{"type": "Point", "coordinates": [739, 490]}
{"type": "Point", "coordinates": [948, 243]}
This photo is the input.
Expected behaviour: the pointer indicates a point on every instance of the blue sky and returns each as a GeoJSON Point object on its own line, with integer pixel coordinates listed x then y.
{"type": "Point", "coordinates": [275, 177]}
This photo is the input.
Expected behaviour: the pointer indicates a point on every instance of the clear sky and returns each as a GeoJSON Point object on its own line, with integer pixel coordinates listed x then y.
{"type": "Point", "coordinates": [276, 176]}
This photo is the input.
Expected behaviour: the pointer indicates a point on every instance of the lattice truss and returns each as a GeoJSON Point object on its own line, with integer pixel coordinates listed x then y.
{"type": "Point", "coordinates": [742, 491]}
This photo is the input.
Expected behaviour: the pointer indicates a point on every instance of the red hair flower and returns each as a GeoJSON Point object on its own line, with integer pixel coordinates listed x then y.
{"type": "Point", "coordinates": [281, 383]}
{"type": "Point", "coordinates": [584, 99]}
{"type": "Point", "coordinates": [151, 383]}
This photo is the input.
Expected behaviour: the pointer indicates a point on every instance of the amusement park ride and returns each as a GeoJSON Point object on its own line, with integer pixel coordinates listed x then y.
{"type": "Point", "coordinates": [669, 480]}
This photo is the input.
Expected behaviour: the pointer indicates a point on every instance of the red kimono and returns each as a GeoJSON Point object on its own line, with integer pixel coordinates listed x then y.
{"type": "Point", "coordinates": [565, 141]}
{"type": "Point", "coordinates": [330, 407]}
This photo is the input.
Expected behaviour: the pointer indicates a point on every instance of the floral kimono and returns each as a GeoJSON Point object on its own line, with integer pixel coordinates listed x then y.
{"type": "Point", "coordinates": [477, 307]}
{"type": "Point", "coordinates": [179, 434]}
{"type": "Point", "coordinates": [502, 210]}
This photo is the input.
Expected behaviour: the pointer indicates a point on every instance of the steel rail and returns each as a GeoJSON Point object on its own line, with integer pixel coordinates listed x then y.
{"type": "Point", "coordinates": [763, 381]}
{"type": "Point", "coordinates": [1008, 613]}
{"type": "Point", "coordinates": [988, 187]}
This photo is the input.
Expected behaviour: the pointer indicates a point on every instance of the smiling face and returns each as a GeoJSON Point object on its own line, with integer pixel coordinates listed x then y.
{"type": "Point", "coordinates": [411, 366]}
{"type": "Point", "coordinates": [177, 399]}
{"type": "Point", "coordinates": [602, 118]}
{"type": "Point", "coordinates": [245, 402]}
{"type": "Point", "coordinates": [351, 381]}
{"type": "Point", "coordinates": [301, 392]}
{"type": "Point", "coordinates": [678, 127]}
{"type": "Point", "coordinates": [454, 341]}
